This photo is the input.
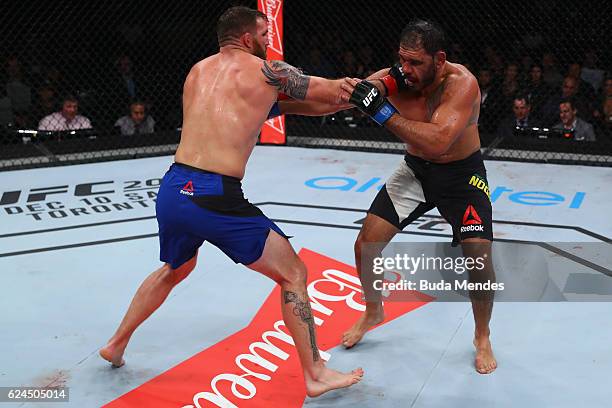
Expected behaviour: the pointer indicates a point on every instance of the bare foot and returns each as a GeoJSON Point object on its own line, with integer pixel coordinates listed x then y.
{"type": "Point", "coordinates": [485, 362]}
{"type": "Point", "coordinates": [366, 321]}
{"type": "Point", "coordinates": [113, 355]}
{"type": "Point", "coordinates": [328, 380]}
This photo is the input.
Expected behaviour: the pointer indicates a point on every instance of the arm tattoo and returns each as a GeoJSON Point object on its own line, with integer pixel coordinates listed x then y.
{"type": "Point", "coordinates": [303, 311]}
{"type": "Point", "coordinates": [286, 78]}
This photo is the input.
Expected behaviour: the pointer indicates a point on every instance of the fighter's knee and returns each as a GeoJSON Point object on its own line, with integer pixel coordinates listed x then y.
{"type": "Point", "coordinates": [367, 244]}
{"type": "Point", "coordinates": [189, 265]}
{"type": "Point", "coordinates": [359, 243]}
{"type": "Point", "coordinates": [166, 274]}
{"type": "Point", "coordinates": [297, 274]}
{"type": "Point", "coordinates": [175, 276]}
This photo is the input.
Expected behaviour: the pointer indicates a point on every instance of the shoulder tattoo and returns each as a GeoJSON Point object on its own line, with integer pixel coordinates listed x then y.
{"type": "Point", "coordinates": [286, 78]}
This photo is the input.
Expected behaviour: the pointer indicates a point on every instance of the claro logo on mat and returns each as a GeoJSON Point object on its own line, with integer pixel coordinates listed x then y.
{"type": "Point", "coordinates": [258, 366]}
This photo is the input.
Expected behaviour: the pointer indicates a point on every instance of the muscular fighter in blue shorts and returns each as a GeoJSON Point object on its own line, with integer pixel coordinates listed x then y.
{"type": "Point", "coordinates": [226, 99]}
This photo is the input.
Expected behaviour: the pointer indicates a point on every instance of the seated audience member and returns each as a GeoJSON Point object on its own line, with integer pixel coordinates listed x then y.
{"type": "Point", "coordinates": [550, 71]}
{"type": "Point", "coordinates": [585, 89]}
{"type": "Point", "coordinates": [521, 118]}
{"type": "Point", "coordinates": [537, 90]}
{"type": "Point", "coordinates": [6, 111]}
{"type": "Point", "coordinates": [123, 87]}
{"type": "Point", "coordinates": [569, 89]}
{"type": "Point", "coordinates": [569, 121]}
{"type": "Point", "coordinates": [510, 84]}
{"type": "Point", "coordinates": [527, 63]}
{"type": "Point", "coordinates": [16, 87]}
{"type": "Point", "coordinates": [591, 71]}
{"type": "Point", "coordinates": [317, 64]}
{"type": "Point", "coordinates": [603, 113]}
{"type": "Point", "coordinates": [66, 119]}
{"type": "Point", "coordinates": [44, 104]}
{"type": "Point", "coordinates": [137, 122]}
{"type": "Point", "coordinates": [18, 91]}
{"type": "Point", "coordinates": [490, 102]}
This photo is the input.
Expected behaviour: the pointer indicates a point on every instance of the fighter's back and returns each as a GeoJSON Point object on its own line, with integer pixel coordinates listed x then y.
{"type": "Point", "coordinates": [225, 101]}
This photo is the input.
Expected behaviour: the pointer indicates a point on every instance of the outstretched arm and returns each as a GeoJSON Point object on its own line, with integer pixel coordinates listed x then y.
{"type": "Point", "coordinates": [292, 82]}
{"type": "Point", "coordinates": [314, 108]}
{"type": "Point", "coordinates": [309, 108]}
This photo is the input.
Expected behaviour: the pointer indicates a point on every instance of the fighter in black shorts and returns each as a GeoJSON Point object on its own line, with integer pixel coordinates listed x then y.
{"type": "Point", "coordinates": [433, 106]}
{"type": "Point", "coordinates": [459, 190]}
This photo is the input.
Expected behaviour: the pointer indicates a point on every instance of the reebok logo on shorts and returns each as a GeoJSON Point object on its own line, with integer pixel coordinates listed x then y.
{"type": "Point", "coordinates": [471, 220]}
{"type": "Point", "coordinates": [481, 184]}
{"type": "Point", "coordinates": [188, 188]}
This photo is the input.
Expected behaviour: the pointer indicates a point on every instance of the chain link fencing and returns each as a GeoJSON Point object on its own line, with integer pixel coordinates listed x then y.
{"type": "Point", "coordinates": [120, 67]}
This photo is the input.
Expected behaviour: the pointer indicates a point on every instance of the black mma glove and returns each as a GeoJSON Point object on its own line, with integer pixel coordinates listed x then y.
{"type": "Point", "coordinates": [395, 80]}
{"type": "Point", "coordinates": [370, 101]}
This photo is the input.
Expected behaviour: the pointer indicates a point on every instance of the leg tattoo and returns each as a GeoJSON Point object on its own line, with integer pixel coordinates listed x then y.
{"type": "Point", "coordinates": [303, 310]}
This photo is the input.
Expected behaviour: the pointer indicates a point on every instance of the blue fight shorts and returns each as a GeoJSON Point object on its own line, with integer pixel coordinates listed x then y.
{"type": "Point", "coordinates": [195, 205]}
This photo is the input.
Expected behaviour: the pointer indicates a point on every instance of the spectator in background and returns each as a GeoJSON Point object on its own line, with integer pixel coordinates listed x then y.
{"type": "Point", "coordinates": [569, 89]}
{"type": "Point", "coordinates": [583, 131]}
{"type": "Point", "coordinates": [526, 64]}
{"type": "Point", "coordinates": [510, 84]}
{"type": "Point", "coordinates": [551, 73]}
{"type": "Point", "coordinates": [137, 122]}
{"type": "Point", "coordinates": [6, 111]}
{"type": "Point", "coordinates": [54, 79]}
{"type": "Point", "coordinates": [337, 50]}
{"type": "Point", "coordinates": [45, 103]}
{"type": "Point", "coordinates": [536, 90]}
{"type": "Point", "coordinates": [490, 102]}
{"type": "Point", "coordinates": [585, 89]}
{"type": "Point", "coordinates": [497, 67]}
{"type": "Point", "coordinates": [489, 53]}
{"type": "Point", "coordinates": [349, 66]}
{"type": "Point", "coordinates": [119, 90]}
{"type": "Point", "coordinates": [18, 91]}
{"type": "Point", "coordinates": [591, 71]}
{"type": "Point", "coordinates": [603, 111]}
{"type": "Point", "coordinates": [66, 119]}
{"type": "Point", "coordinates": [365, 60]}
{"type": "Point", "coordinates": [127, 86]}
{"type": "Point", "coordinates": [520, 118]}
{"type": "Point", "coordinates": [318, 65]}
{"type": "Point", "coordinates": [494, 61]}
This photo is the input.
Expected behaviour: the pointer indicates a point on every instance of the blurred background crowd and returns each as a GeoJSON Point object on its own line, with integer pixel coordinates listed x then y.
{"type": "Point", "coordinates": [118, 67]}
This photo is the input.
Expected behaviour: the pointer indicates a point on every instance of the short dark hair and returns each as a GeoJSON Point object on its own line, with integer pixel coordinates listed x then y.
{"type": "Point", "coordinates": [138, 102]}
{"type": "Point", "coordinates": [236, 21]}
{"type": "Point", "coordinates": [570, 101]}
{"type": "Point", "coordinates": [520, 97]}
{"type": "Point", "coordinates": [69, 98]}
{"type": "Point", "coordinates": [425, 34]}
{"type": "Point", "coordinates": [536, 65]}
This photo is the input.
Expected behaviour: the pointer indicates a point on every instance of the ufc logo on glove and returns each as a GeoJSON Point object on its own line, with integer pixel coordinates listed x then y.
{"type": "Point", "coordinates": [370, 97]}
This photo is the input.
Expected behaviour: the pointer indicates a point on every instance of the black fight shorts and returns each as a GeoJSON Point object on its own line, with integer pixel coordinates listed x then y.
{"type": "Point", "coordinates": [458, 189]}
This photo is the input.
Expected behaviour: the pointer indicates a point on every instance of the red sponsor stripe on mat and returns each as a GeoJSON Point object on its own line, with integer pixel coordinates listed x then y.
{"type": "Point", "coordinates": [258, 366]}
